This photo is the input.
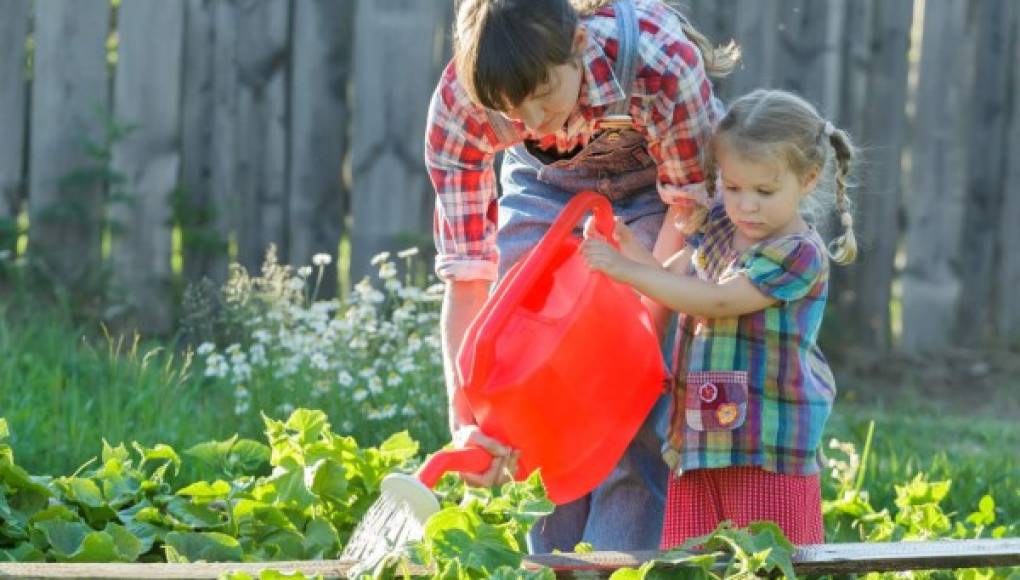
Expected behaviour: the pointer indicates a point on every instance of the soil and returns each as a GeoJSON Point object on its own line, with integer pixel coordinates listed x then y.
{"type": "Point", "coordinates": [967, 382]}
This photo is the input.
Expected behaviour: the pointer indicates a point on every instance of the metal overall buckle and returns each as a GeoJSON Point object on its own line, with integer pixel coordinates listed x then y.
{"type": "Point", "coordinates": [612, 125]}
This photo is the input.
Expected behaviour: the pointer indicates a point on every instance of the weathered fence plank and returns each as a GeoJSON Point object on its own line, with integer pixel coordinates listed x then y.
{"type": "Point", "coordinates": [392, 197]}
{"type": "Point", "coordinates": [807, 560]}
{"type": "Point", "coordinates": [323, 30]}
{"type": "Point", "coordinates": [877, 40]}
{"type": "Point", "coordinates": [716, 19]}
{"type": "Point", "coordinates": [147, 97]}
{"type": "Point", "coordinates": [263, 52]}
{"type": "Point", "coordinates": [936, 201]}
{"type": "Point", "coordinates": [808, 57]}
{"type": "Point", "coordinates": [69, 101]}
{"type": "Point", "coordinates": [13, 109]}
{"type": "Point", "coordinates": [987, 115]}
{"type": "Point", "coordinates": [201, 205]}
{"type": "Point", "coordinates": [1008, 278]}
{"type": "Point", "coordinates": [756, 28]}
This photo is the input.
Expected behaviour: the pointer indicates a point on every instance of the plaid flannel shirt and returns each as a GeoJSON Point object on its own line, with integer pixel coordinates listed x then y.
{"type": "Point", "coordinates": [671, 103]}
{"type": "Point", "coordinates": [754, 389]}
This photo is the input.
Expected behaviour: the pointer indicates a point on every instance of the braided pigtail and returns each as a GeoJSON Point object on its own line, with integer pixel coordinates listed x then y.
{"type": "Point", "coordinates": [843, 249]}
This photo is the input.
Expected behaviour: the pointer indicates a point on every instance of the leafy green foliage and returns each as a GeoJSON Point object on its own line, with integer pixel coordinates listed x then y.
{"type": "Point", "coordinates": [121, 508]}
{"type": "Point", "coordinates": [485, 534]}
{"type": "Point", "coordinates": [759, 550]}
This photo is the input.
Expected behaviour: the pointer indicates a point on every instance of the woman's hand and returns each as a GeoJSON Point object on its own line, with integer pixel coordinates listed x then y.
{"type": "Point", "coordinates": [504, 459]}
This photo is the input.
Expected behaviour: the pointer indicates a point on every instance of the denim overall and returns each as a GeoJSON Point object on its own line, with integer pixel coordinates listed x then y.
{"type": "Point", "coordinates": [625, 512]}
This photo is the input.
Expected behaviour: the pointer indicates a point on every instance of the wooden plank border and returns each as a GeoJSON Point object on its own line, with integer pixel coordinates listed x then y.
{"type": "Point", "coordinates": [808, 560]}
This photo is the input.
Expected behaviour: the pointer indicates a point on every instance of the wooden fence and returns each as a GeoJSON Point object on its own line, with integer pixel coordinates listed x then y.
{"type": "Point", "coordinates": [300, 122]}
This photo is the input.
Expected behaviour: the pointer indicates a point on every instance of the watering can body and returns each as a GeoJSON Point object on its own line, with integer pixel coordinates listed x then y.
{"type": "Point", "coordinates": [563, 363]}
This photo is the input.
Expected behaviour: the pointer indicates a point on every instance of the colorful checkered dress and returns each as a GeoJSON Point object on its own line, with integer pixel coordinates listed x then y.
{"type": "Point", "coordinates": [756, 390]}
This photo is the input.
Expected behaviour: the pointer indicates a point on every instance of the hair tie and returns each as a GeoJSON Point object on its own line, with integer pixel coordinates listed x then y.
{"type": "Point", "coordinates": [846, 219]}
{"type": "Point", "coordinates": [829, 129]}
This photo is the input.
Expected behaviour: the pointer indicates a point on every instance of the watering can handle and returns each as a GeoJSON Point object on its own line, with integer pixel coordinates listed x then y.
{"type": "Point", "coordinates": [537, 262]}
{"type": "Point", "coordinates": [466, 460]}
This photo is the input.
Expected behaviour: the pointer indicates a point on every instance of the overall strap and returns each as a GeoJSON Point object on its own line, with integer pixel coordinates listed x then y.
{"type": "Point", "coordinates": [504, 129]}
{"type": "Point", "coordinates": [625, 67]}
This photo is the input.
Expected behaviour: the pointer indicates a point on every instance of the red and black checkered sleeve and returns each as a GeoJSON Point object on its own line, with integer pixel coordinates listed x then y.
{"type": "Point", "coordinates": [680, 119]}
{"type": "Point", "coordinates": [459, 150]}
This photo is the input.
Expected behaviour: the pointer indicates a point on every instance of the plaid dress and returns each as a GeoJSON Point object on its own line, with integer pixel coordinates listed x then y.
{"type": "Point", "coordinates": [754, 390]}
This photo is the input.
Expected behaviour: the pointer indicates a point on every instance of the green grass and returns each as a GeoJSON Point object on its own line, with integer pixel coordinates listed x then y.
{"type": "Point", "coordinates": [979, 454]}
{"type": "Point", "coordinates": [63, 393]}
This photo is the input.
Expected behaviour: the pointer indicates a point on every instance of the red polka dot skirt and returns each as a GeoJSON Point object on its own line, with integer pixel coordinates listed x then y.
{"type": "Point", "coordinates": [698, 500]}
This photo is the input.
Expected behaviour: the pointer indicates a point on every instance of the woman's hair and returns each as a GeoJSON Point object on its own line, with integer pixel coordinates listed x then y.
{"type": "Point", "coordinates": [503, 49]}
{"type": "Point", "coordinates": [772, 124]}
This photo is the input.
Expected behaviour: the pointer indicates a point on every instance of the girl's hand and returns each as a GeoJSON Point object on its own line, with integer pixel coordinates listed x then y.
{"type": "Point", "coordinates": [602, 257]}
{"type": "Point", "coordinates": [630, 246]}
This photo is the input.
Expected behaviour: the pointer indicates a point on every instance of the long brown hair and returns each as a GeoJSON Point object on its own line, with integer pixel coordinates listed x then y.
{"type": "Point", "coordinates": [503, 49]}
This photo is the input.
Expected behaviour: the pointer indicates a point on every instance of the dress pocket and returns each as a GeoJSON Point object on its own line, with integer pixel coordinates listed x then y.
{"type": "Point", "coordinates": [716, 400]}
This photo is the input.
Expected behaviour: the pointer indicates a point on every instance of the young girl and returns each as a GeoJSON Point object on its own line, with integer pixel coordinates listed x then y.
{"type": "Point", "coordinates": [577, 95]}
{"type": "Point", "coordinates": [753, 390]}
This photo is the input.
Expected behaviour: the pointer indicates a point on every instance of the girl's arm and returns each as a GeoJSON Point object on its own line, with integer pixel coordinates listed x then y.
{"type": "Point", "coordinates": [683, 293]}
{"type": "Point", "coordinates": [670, 250]}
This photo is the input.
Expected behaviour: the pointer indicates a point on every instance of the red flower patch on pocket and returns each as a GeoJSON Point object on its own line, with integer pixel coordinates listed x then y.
{"type": "Point", "coordinates": [716, 400]}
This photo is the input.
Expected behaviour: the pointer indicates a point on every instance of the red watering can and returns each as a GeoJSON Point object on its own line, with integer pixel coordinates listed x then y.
{"type": "Point", "coordinates": [562, 364]}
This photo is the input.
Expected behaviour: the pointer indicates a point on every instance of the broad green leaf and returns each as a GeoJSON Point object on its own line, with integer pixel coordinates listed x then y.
{"type": "Point", "coordinates": [76, 542]}
{"type": "Point", "coordinates": [25, 552]}
{"type": "Point", "coordinates": [118, 453]}
{"type": "Point", "coordinates": [234, 456]}
{"type": "Point", "coordinates": [310, 424]}
{"type": "Point", "coordinates": [207, 546]}
{"type": "Point", "coordinates": [213, 453]}
{"type": "Point", "coordinates": [291, 489]}
{"type": "Point", "coordinates": [321, 540]}
{"type": "Point", "coordinates": [193, 515]}
{"type": "Point", "coordinates": [400, 446]}
{"type": "Point", "coordinates": [282, 545]}
{"type": "Point", "coordinates": [204, 491]}
{"type": "Point", "coordinates": [329, 480]}
{"type": "Point", "coordinates": [248, 456]}
{"type": "Point", "coordinates": [57, 511]}
{"type": "Point", "coordinates": [83, 491]}
{"type": "Point", "coordinates": [18, 479]}
{"type": "Point", "coordinates": [129, 547]}
{"type": "Point", "coordinates": [173, 556]}
{"type": "Point", "coordinates": [160, 452]}
{"type": "Point", "coordinates": [146, 533]}
{"type": "Point", "coordinates": [64, 537]}
{"type": "Point", "coordinates": [97, 547]}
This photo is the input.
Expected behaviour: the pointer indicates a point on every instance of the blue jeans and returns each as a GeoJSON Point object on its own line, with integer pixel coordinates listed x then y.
{"type": "Point", "coordinates": [625, 511]}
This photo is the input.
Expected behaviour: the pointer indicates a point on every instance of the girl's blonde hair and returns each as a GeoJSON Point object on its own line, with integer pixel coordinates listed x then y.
{"type": "Point", "coordinates": [773, 124]}
{"type": "Point", "coordinates": [503, 49]}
